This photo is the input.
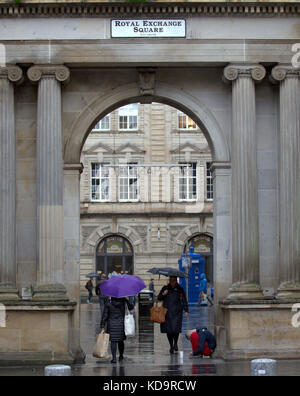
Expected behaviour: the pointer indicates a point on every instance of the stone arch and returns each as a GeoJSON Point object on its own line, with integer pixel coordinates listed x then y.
{"type": "Point", "coordinates": [189, 232]}
{"type": "Point", "coordinates": [130, 93]}
{"type": "Point", "coordinates": [106, 230]}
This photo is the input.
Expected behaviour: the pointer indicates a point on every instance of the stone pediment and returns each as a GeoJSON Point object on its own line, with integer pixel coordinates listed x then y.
{"type": "Point", "coordinates": [192, 148]}
{"type": "Point", "coordinates": [130, 148]}
{"type": "Point", "coordinates": [99, 147]}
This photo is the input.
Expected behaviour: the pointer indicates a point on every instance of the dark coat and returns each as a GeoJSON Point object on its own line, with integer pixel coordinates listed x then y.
{"type": "Point", "coordinates": [113, 316]}
{"type": "Point", "coordinates": [175, 302]}
{"type": "Point", "coordinates": [205, 336]}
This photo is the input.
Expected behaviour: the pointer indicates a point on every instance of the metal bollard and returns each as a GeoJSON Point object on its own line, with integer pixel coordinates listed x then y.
{"type": "Point", "coordinates": [57, 370]}
{"type": "Point", "coordinates": [263, 368]}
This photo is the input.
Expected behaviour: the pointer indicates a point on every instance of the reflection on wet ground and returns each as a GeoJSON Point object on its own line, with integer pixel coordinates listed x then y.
{"type": "Point", "coordinates": [147, 354]}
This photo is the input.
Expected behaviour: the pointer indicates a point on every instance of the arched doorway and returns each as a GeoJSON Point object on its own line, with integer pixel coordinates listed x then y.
{"type": "Point", "coordinates": [203, 244]}
{"type": "Point", "coordinates": [114, 254]}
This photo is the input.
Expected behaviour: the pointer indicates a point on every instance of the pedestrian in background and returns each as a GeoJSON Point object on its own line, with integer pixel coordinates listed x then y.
{"type": "Point", "coordinates": [101, 297]}
{"type": "Point", "coordinates": [174, 299]}
{"type": "Point", "coordinates": [151, 286]}
{"type": "Point", "coordinates": [113, 316]}
{"type": "Point", "coordinates": [89, 287]}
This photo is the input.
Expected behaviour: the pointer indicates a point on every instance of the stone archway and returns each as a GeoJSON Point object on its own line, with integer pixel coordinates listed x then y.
{"type": "Point", "coordinates": [216, 137]}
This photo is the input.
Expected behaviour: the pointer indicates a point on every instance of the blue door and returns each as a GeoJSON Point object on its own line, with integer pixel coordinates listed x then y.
{"type": "Point", "coordinates": [194, 284]}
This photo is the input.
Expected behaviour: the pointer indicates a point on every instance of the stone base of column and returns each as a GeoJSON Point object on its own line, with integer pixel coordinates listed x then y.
{"type": "Point", "coordinates": [289, 291]}
{"type": "Point", "coordinates": [54, 292]}
{"type": "Point", "coordinates": [8, 292]}
{"type": "Point", "coordinates": [245, 291]}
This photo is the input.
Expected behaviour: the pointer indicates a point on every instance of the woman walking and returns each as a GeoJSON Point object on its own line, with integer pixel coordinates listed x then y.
{"type": "Point", "coordinates": [113, 316]}
{"type": "Point", "coordinates": [174, 299]}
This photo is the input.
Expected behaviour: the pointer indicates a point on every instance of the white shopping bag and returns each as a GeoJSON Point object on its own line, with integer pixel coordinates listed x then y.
{"type": "Point", "coordinates": [129, 324]}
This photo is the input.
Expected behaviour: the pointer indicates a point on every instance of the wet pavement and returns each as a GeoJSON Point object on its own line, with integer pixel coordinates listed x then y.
{"type": "Point", "coordinates": [147, 354]}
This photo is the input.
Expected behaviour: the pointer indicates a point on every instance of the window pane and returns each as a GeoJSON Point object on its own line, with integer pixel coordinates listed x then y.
{"type": "Point", "coordinates": [128, 116]}
{"type": "Point", "coordinates": [114, 245]}
{"type": "Point", "coordinates": [100, 182]}
{"type": "Point", "coordinates": [101, 247]}
{"type": "Point", "coordinates": [191, 123]}
{"type": "Point", "coordinates": [209, 182]}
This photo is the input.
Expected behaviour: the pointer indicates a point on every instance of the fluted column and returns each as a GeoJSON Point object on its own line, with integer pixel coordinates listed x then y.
{"type": "Point", "coordinates": [289, 181]}
{"type": "Point", "coordinates": [245, 237]}
{"type": "Point", "coordinates": [8, 76]}
{"type": "Point", "coordinates": [50, 215]}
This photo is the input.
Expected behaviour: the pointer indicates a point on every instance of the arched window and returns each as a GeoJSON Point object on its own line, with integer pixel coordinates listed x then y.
{"type": "Point", "coordinates": [203, 244]}
{"type": "Point", "coordinates": [114, 254]}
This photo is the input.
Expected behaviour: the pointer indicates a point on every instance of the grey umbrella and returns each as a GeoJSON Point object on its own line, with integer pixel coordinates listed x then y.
{"type": "Point", "coordinates": [92, 275]}
{"type": "Point", "coordinates": [168, 271]}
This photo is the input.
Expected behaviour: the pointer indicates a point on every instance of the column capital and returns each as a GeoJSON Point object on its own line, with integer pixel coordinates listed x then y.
{"type": "Point", "coordinates": [60, 72]}
{"type": "Point", "coordinates": [283, 71]}
{"type": "Point", "coordinates": [12, 72]}
{"type": "Point", "coordinates": [233, 71]}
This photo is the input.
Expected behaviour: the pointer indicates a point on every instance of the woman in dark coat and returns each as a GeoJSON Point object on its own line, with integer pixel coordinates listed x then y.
{"type": "Point", "coordinates": [174, 299]}
{"type": "Point", "coordinates": [113, 316]}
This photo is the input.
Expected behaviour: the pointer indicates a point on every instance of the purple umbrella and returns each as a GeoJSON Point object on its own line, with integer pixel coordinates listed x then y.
{"type": "Point", "coordinates": [122, 286]}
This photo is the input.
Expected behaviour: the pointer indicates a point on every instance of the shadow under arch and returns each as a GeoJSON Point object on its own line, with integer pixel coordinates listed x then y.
{"type": "Point", "coordinates": [130, 93]}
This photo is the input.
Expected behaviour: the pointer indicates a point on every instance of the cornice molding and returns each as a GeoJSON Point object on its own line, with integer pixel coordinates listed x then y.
{"type": "Point", "coordinates": [137, 10]}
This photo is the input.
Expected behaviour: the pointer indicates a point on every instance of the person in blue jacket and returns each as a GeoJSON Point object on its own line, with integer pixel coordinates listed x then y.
{"type": "Point", "coordinates": [202, 287]}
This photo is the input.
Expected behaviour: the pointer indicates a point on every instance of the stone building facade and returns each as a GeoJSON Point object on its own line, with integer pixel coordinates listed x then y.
{"type": "Point", "coordinates": [169, 206]}
{"type": "Point", "coordinates": [236, 73]}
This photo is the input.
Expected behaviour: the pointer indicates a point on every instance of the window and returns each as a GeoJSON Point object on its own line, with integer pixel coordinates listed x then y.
{"type": "Point", "coordinates": [114, 254]}
{"type": "Point", "coordinates": [103, 125]}
{"type": "Point", "coordinates": [99, 183]}
{"type": "Point", "coordinates": [209, 183]}
{"type": "Point", "coordinates": [128, 117]}
{"type": "Point", "coordinates": [188, 182]}
{"type": "Point", "coordinates": [185, 122]}
{"type": "Point", "coordinates": [128, 183]}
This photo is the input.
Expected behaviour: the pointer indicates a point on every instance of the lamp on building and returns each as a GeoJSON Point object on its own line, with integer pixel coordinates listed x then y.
{"type": "Point", "coordinates": [158, 233]}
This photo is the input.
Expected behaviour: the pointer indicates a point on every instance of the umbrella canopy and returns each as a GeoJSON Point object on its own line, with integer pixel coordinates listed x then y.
{"type": "Point", "coordinates": [168, 271]}
{"type": "Point", "coordinates": [92, 275]}
{"type": "Point", "coordinates": [122, 286]}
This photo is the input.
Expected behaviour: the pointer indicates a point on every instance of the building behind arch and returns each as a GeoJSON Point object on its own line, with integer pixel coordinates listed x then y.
{"type": "Point", "coordinates": [164, 207]}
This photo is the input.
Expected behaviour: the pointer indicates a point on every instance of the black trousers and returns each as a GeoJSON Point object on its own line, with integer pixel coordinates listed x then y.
{"type": "Point", "coordinates": [173, 339]}
{"type": "Point", "coordinates": [114, 345]}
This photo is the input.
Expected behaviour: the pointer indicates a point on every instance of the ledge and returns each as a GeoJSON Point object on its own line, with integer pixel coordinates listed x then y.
{"type": "Point", "coordinates": [39, 306]}
{"type": "Point", "coordinates": [90, 8]}
{"type": "Point", "coordinates": [257, 304]}
{"type": "Point", "coordinates": [9, 359]}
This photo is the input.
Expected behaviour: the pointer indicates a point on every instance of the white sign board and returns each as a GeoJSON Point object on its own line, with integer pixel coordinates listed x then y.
{"type": "Point", "coordinates": [147, 28]}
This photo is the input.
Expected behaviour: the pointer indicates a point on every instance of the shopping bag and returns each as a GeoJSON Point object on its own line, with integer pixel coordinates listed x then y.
{"type": "Point", "coordinates": [129, 324]}
{"type": "Point", "coordinates": [101, 348]}
{"type": "Point", "coordinates": [158, 314]}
